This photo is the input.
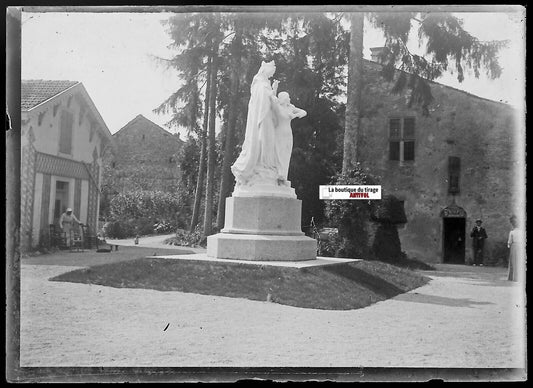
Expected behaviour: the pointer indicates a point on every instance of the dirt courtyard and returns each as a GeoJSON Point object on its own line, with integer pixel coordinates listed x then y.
{"type": "Point", "coordinates": [466, 317]}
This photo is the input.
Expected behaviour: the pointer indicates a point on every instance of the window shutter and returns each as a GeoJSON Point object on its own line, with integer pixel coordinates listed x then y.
{"type": "Point", "coordinates": [65, 132]}
{"type": "Point", "coordinates": [408, 150]}
{"type": "Point", "coordinates": [394, 150]}
{"type": "Point", "coordinates": [409, 128]}
{"type": "Point", "coordinates": [454, 172]}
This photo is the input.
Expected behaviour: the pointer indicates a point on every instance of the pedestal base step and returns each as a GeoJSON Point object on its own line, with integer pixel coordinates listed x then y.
{"type": "Point", "coordinates": [261, 247]}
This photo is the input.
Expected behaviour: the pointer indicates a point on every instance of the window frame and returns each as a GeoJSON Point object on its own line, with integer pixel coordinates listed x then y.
{"type": "Point", "coordinates": [398, 136]}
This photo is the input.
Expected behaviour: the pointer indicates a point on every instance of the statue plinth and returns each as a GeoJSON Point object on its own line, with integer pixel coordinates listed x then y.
{"type": "Point", "coordinates": [264, 227]}
{"type": "Point", "coordinates": [267, 189]}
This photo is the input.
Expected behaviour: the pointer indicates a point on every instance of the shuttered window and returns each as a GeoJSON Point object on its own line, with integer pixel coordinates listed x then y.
{"type": "Point", "coordinates": [65, 132]}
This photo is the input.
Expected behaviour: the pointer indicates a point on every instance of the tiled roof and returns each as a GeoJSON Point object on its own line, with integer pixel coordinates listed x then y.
{"type": "Point", "coordinates": [35, 92]}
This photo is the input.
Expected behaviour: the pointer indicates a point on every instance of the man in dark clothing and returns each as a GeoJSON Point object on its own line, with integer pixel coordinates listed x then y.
{"type": "Point", "coordinates": [478, 234]}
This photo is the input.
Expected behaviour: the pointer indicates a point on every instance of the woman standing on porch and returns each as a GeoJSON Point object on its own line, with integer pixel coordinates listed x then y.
{"type": "Point", "coordinates": [66, 223]}
{"type": "Point", "coordinates": [514, 243]}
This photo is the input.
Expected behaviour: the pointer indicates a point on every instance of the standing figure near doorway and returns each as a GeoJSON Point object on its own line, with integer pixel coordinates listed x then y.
{"type": "Point", "coordinates": [479, 235]}
{"type": "Point", "coordinates": [514, 243]}
{"type": "Point", "coordinates": [66, 223]}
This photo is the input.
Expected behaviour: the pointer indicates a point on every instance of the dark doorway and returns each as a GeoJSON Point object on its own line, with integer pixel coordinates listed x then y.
{"type": "Point", "coordinates": [453, 240]}
{"type": "Point", "coordinates": [61, 200]}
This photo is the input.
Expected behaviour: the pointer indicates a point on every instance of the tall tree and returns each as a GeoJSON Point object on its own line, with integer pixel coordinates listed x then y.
{"type": "Point", "coordinates": [192, 36]}
{"type": "Point", "coordinates": [211, 156]}
{"type": "Point", "coordinates": [203, 147]}
{"type": "Point", "coordinates": [354, 87]}
{"type": "Point", "coordinates": [226, 177]}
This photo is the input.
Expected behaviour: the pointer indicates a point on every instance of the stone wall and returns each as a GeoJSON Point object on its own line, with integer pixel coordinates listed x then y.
{"type": "Point", "coordinates": [145, 157]}
{"type": "Point", "coordinates": [478, 131]}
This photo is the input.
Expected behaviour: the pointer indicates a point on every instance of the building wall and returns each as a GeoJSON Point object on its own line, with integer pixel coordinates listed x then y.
{"type": "Point", "coordinates": [480, 132]}
{"type": "Point", "coordinates": [42, 165]}
{"type": "Point", "coordinates": [145, 157]}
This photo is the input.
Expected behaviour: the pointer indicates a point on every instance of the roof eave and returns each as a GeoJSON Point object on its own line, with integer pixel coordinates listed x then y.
{"type": "Point", "coordinates": [53, 97]}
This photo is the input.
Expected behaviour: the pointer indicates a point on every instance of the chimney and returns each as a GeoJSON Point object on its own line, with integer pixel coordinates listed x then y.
{"type": "Point", "coordinates": [378, 54]}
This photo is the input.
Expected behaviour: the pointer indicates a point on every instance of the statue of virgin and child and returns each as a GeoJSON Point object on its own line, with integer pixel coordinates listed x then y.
{"type": "Point", "coordinates": [263, 163]}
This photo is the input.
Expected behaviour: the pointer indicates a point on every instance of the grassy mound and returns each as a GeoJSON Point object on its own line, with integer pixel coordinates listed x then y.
{"type": "Point", "coordinates": [342, 286]}
{"type": "Point", "coordinates": [413, 264]}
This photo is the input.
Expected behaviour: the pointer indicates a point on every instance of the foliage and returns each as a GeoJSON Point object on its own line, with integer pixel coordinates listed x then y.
{"type": "Point", "coordinates": [188, 161]}
{"type": "Point", "coordinates": [163, 227]}
{"type": "Point", "coordinates": [353, 220]}
{"type": "Point", "coordinates": [141, 212]}
{"type": "Point", "coordinates": [186, 238]}
{"type": "Point", "coordinates": [389, 210]}
{"type": "Point", "coordinates": [352, 217]}
{"type": "Point", "coordinates": [131, 227]}
{"type": "Point", "coordinates": [386, 245]}
{"type": "Point", "coordinates": [116, 229]}
{"type": "Point", "coordinates": [447, 45]}
{"type": "Point", "coordinates": [331, 245]}
{"type": "Point", "coordinates": [148, 204]}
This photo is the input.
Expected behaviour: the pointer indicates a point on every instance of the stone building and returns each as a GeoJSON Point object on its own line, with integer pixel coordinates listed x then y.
{"type": "Point", "coordinates": [144, 157]}
{"type": "Point", "coordinates": [449, 168]}
{"type": "Point", "coordinates": [63, 138]}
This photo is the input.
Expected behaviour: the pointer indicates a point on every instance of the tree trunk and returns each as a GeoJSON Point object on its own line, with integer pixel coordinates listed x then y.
{"type": "Point", "coordinates": [203, 146]}
{"type": "Point", "coordinates": [210, 186]}
{"type": "Point", "coordinates": [226, 178]}
{"type": "Point", "coordinates": [355, 83]}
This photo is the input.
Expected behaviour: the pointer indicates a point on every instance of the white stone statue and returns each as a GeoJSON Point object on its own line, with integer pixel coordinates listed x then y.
{"type": "Point", "coordinates": [262, 166]}
{"type": "Point", "coordinates": [284, 112]}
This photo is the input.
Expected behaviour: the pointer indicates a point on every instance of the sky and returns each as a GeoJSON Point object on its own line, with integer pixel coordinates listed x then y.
{"type": "Point", "coordinates": [113, 55]}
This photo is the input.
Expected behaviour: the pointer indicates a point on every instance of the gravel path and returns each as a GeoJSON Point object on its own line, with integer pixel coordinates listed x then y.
{"type": "Point", "coordinates": [465, 317]}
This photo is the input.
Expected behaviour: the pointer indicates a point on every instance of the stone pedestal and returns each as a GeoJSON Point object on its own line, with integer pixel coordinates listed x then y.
{"type": "Point", "coordinates": [262, 228]}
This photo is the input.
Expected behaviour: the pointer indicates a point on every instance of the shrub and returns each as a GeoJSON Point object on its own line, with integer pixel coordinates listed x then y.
{"type": "Point", "coordinates": [352, 218]}
{"type": "Point", "coordinates": [187, 239]}
{"type": "Point", "coordinates": [142, 226]}
{"type": "Point", "coordinates": [163, 227]}
{"type": "Point", "coordinates": [387, 246]}
{"type": "Point", "coordinates": [388, 212]}
{"type": "Point", "coordinates": [128, 228]}
{"type": "Point", "coordinates": [354, 222]}
{"type": "Point", "coordinates": [146, 204]}
{"type": "Point", "coordinates": [114, 229]}
{"type": "Point", "coordinates": [145, 212]}
{"type": "Point", "coordinates": [331, 245]}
